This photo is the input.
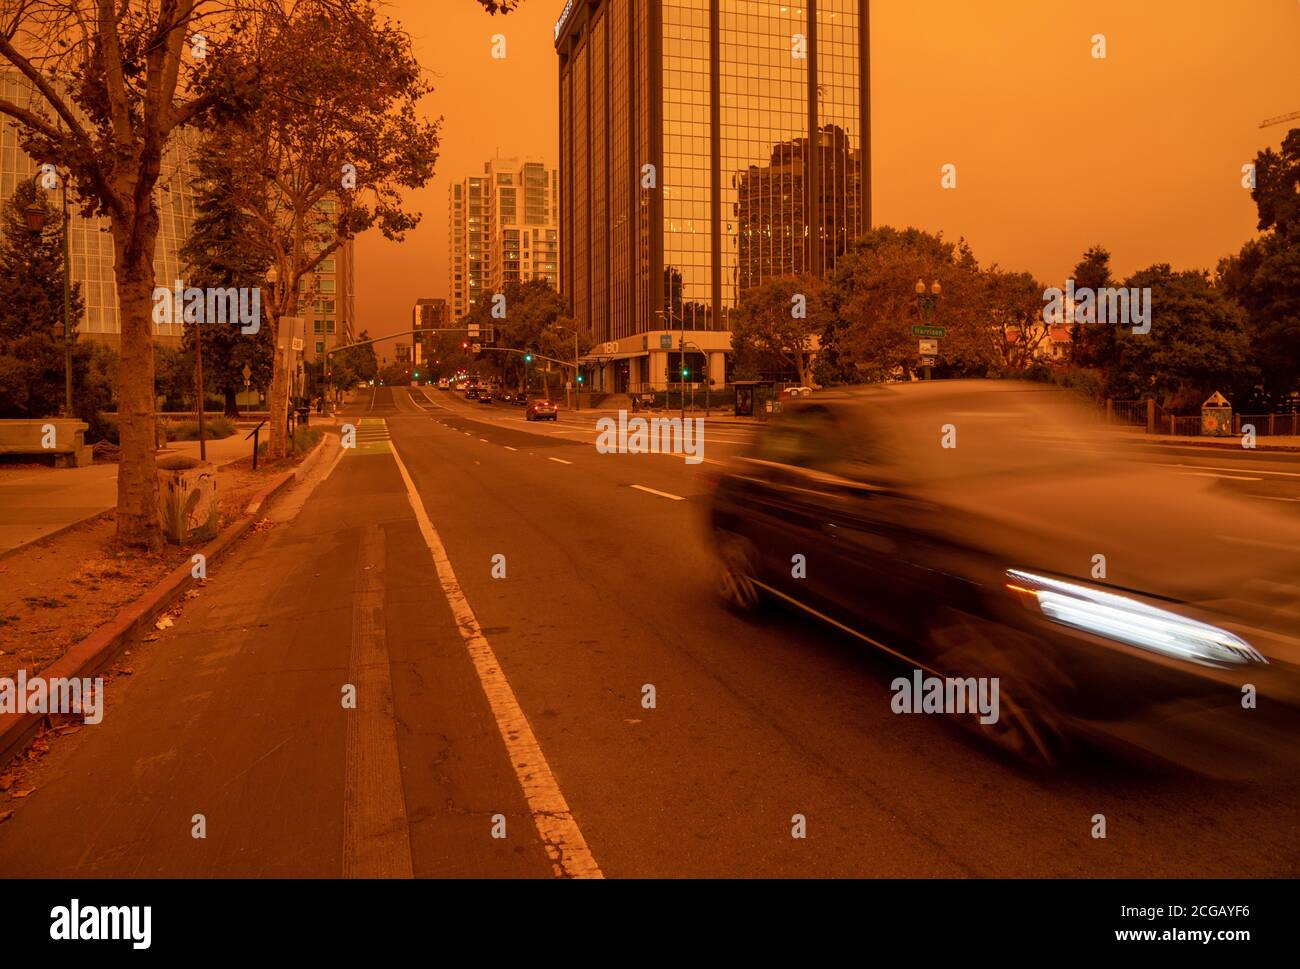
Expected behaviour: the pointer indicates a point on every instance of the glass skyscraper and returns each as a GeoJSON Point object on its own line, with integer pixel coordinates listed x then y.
{"type": "Point", "coordinates": [706, 146]}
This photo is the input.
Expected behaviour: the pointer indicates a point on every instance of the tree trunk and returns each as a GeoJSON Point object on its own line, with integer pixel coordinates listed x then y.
{"type": "Point", "coordinates": [232, 405]}
{"type": "Point", "coordinates": [278, 405]}
{"type": "Point", "coordinates": [137, 476]}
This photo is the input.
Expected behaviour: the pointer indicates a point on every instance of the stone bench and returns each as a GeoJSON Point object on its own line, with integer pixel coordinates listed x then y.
{"type": "Point", "coordinates": [59, 439]}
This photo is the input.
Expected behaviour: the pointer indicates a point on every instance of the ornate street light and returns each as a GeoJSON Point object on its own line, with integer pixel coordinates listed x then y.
{"type": "Point", "coordinates": [35, 216]}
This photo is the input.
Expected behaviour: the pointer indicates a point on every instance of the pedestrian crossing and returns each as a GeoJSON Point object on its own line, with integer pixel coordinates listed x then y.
{"type": "Point", "coordinates": [372, 437]}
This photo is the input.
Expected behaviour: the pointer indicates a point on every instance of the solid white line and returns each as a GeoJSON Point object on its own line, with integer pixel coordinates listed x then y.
{"type": "Point", "coordinates": [1215, 467]}
{"type": "Point", "coordinates": [559, 460]}
{"type": "Point", "coordinates": [661, 494]}
{"type": "Point", "coordinates": [556, 826]}
{"type": "Point", "coordinates": [1229, 477]}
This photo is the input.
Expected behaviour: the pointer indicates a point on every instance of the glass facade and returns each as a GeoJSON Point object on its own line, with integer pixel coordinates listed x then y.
{"type": "Point", "coordinates": [707, 146]}
{"type": "Point", "coordinates": [90, 242]}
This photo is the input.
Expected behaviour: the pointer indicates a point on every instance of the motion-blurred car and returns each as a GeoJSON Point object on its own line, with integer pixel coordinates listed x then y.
{"type": "Point", "coordinates": [991, 529]}
{"type": "Point", "coordinates": [541, 410]}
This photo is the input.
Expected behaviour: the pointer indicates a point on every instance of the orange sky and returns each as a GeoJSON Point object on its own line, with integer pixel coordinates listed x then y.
{"type": "Point", "coordinates": [1055, 151]}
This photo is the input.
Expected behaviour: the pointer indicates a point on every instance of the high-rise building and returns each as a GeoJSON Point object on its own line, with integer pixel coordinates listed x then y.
{"type": "Point", "coordinates": [504, 229]}
{"type": "Point", "coordinates": [427, 317]}
{"type": "Point", "coordinates": [705, 146]}
{"type": "Point", "coordinates": [327, 296]}
{"type": "Point", "coordinates": [90, 242]}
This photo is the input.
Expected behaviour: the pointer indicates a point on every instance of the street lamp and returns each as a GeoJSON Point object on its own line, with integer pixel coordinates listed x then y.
{"type": "Point", "coordinates": [577, 379]}
{"type": "Point", "coordinates": [36, 217]}
{"type": "Point", "coordinates": [926, 302]}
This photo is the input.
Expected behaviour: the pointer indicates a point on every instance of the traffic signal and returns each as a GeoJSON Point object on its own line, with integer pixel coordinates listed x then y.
{"type": "Point", "coordinates": [528, 358]}
{"type": "Point", "coordinates": [464, 345]}
{"type": "Point", "coordinates": [579, 378]}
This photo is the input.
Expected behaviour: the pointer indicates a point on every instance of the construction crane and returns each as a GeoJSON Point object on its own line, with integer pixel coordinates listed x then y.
{"type": "Point", "coordinates": [1269, 122]}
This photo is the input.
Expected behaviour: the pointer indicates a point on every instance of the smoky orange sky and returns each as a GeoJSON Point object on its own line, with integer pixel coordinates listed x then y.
{"type": "Point", "coordinates": [1140, 152]}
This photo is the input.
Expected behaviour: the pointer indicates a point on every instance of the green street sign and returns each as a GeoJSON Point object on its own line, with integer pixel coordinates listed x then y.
{"type": "Point", "coordinates": [928, 332]}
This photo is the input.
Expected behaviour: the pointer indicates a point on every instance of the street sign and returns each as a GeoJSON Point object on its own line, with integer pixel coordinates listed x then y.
{"type": "Point", "coordinates": [476, 347]}
{"type": "Point", "coordinates": [928, 348]}
{"type": "Point", "coordinates": [473, 329]}
{"type": "Point", "coordinates": [929, 332]}
{"type": "Point", "coordinates": [297, 344]}
{"type": "Point", "coordinates": [927, 361]}
{"type": "Point", "coordinates": [665, 341]}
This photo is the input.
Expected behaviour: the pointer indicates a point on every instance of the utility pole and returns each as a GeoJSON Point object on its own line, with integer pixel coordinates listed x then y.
{"type": "Point", "coordinates": [67, 307]}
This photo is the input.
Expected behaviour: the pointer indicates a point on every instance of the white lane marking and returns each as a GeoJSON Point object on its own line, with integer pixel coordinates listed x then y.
{"type": "Point", "coordinates": [509, 448]}
{"type": "Point", "coordinates": [376, 835]}
{"type": "Point", "coordinates": [559, 460]}
{"type": "Point", "coordinates": [1207, 474]}
{"type": "Point", "coordinates": [556, 826]}
{"type": "Point", "coordinates": [1272, 498]}
{"type": "Point", "coordinates": [483, 439]}
{"type": "Point", "coordinates": [661, 494]}
{"type": "Point", "coordinates": [1215, 467]}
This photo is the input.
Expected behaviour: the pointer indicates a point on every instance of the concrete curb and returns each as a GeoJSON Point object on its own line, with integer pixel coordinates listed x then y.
{"type": "Point", "coordinates": [1234, 445]}
{"type": "Point", "coordinates": [94, 653]}
{"type": "Point", "coordinates": [37, 542]}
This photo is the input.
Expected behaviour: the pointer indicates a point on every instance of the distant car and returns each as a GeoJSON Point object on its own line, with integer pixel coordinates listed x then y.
{"type": "Point", "coordinates": [471, 393]}
{"type": "Point", "coordinates": [954, 525]}
{"type": "Point", "coordinates": [485, 396]}
{"type": "Point", "coordinates": [444, 383]}
{"type": "Point", "coordinates": [541, 410]}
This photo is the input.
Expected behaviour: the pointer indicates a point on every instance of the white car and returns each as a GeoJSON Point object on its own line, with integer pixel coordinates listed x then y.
{"type": "Point", "coordinates": [444, 383]}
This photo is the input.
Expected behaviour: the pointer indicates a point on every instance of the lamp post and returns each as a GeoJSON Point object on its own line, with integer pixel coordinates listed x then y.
{"type": "Point", "coordinates": [561, 326]}
{"type": "Point", "coordinates": [926, 302]}
{"type": "Point", "coordinates": [36, 217]}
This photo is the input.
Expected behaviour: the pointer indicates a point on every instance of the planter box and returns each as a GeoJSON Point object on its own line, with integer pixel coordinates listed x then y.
{"type": "Point", "coordinates": [187, 500]}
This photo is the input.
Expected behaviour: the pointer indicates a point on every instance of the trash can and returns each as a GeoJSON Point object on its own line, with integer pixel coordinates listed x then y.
{"type": "Point", "coordinates": [187, 499]}
{"type": "Point", "coordinates": [1216, 416]}
{"type": "Point", "coordinates": [303, 413]}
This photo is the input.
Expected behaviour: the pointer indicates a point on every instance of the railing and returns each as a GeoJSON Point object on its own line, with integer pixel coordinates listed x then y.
{"type": "Point", "coordinates": [1157, 420]}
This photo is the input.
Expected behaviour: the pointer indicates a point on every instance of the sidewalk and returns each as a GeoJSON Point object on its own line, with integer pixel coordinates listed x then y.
{"type": "Point", "coordinates": [1280, 442]}
{"type": "Point", "coordinates": [44, 501]}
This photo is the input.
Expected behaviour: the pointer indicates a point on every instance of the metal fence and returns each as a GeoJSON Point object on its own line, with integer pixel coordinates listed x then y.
{"type": "Point", "coordinates": [1150, 415]}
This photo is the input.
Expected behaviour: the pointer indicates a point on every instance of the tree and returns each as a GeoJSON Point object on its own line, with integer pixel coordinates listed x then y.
{"type": "Point", "coordinates": [112, 84]}
{"type": "Point", "coordinates": [776, 326]}
{"type": "Point", "coordinates": [873, 295]}
{"type": "Point", "coordinates": [522, 314]}
{"type": "Point", "coordinates": [32, 364]}
{"type": "Point", "coordinates": [1264, 277]}
{"type": "Point", "coordinates": [31, 269]}
{"type": "Point", "coordinates": [1014, 306]}
{"type": "Point", "coordinates": [1198, 342]}
{"type": "Point", "coordinates": [217, 255]}
{"type": "Point", "coordinates": [328, 153]}
{"type": "Point", "coordinates": [1092, 346]}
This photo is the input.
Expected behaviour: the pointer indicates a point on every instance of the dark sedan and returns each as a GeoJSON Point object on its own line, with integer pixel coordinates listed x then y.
{"type": "Point", "coordinates": [991, 531]}
{"type": "Point", "coordinates": [541, 410]}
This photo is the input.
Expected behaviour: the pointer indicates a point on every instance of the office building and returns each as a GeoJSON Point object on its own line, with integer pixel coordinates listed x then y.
{"type": "Point", "coordinates": [705, 146]}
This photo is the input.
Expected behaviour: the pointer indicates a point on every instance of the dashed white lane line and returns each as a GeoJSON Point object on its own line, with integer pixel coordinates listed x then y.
{"type": "Point", "coordinates": [556, 826]}
{"type": "Point", "coordinates": [661, 494]}
{"type": "Point", "coordinates": [559, 460]}
{"type": "Point", "coordinates": [509, 448]}
{"type": "Point", "coordinates": [483, 439]}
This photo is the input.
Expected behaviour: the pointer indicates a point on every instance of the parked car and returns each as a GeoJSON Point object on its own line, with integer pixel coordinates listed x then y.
{"type": "Point", "coordinates": [541, 410]}
{"type": "Point", "coordinates": [957, 525]}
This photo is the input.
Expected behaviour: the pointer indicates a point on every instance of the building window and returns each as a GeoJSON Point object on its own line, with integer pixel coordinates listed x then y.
{"type": "Point", "coordinates": [320, 346]}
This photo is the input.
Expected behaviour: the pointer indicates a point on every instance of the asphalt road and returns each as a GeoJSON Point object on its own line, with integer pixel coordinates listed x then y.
{"type": "Point", "coordinates": [235, 712]}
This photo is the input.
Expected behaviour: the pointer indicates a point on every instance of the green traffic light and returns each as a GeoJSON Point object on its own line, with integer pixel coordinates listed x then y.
{"type": "Point", "coordinates": [528, 358]}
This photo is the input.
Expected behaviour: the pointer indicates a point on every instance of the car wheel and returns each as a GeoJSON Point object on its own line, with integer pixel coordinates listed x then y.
{"type": "Point", "coordinates": [1027, 727]}
{"type": "Point", "coordinates": [737, 565]}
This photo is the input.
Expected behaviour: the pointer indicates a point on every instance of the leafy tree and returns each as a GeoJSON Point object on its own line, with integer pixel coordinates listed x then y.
{"type": "Point", "coordinates": [1092, 346]}
{"type": "Point", "coordinates": [31, 269]}
{"type": "Point", "coordinates": [1013, 304]}
{"type": "Point", "coordinates": [330, 152]}
{"type": "Point", "coordinates": [776, 326]}
{"type": "Point", "coordinates": [1198, 342]}
{"type": "Point", "coordinates": [529, 307]}
{"type": "Point", "coordinates": [217, 254]}
{"type": "Point", "coordinates": [1264, 277]}
{"type": "Point", "coordinates": [873, 294]}
{"type": "Point", "coordinates": [127, 81]}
